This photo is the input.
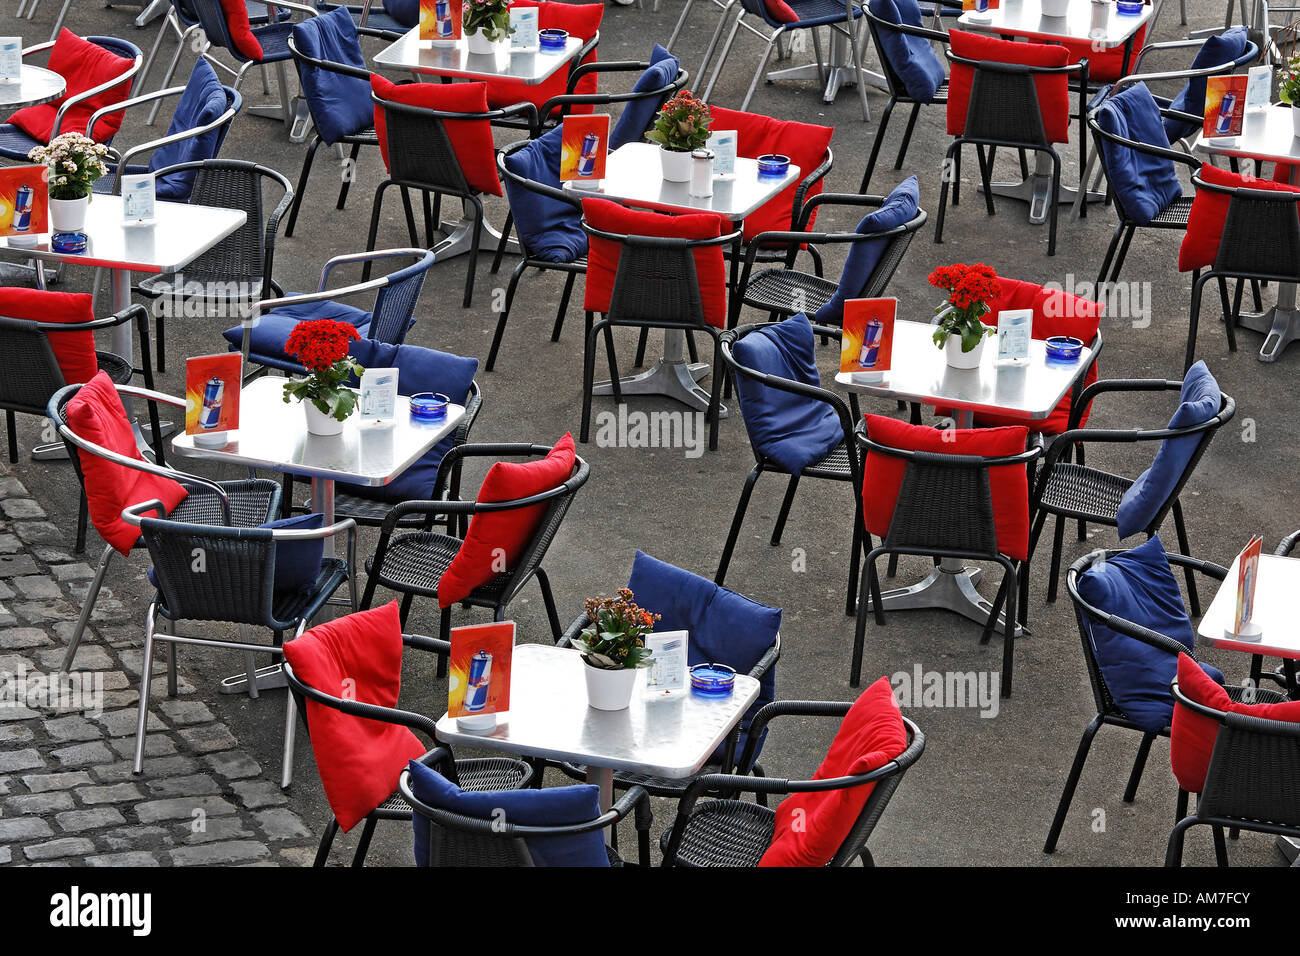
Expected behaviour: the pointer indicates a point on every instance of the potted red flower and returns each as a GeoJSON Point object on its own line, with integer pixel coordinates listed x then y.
{"type": "Point", "coordinates": [681, 126]}
{"type": "Point", "coordinates": [959, 331]}
{"type": "Point", "coordinates": [321, 345]}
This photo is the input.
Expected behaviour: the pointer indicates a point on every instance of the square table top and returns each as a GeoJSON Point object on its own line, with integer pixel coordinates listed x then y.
{"type": "Point", "coordinates": [1276, 604]}
{"type": "Point", "coordinates": [633, 175]}
{"type": "Point", "coordinates": [180, 233]}
{"type": "Point", "coordinates": [530, 67]}
{"type": "Point", "coordinates": [273, 435]}
{"type": "Point", "coordinates": [919, 373]}
{"type": "Point", "coordinates": [1095, 23]}
{"type": "Point", "coordinates": [1266, 134]}
{"type": "Point", "coordinates": [672, 736]}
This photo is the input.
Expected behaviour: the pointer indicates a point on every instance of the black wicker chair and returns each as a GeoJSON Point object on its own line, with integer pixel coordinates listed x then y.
{"type": "Point", "coordinates": [1251, 783]}
{"type": "Point", "coordinates": [733, 832]}
{"type": "Point", "coordinates": [1069, 489]}
{"type": "Point", "coordinates": [459, 840]}
{"type": "Point", "coordinates": [1004, 111]}
{"type": "Point", "coordinates": [842, 464]}
{"type": "Point", "coordinates": [238, 270]}
{"type": "Point", "coordinates": [413, 562]}
{"type": "Point", "coordinates": [1108, 712]}
{"type": "Point", "coordinates": [486, 773]}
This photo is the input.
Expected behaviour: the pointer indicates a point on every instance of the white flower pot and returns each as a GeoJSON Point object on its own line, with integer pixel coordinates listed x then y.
{"type": "Point", "coordinates": [68, 215]}
{"type": "Point", "coordinates": [319, 423]}
{"type": "Point", "coordinates": [676, 165]}
{"type": "Point", "coordinates": [479, 43]}
{"type": "Point", "coordinates": [1055, 8]}
{"type": "Point", "coordinates": [957, 358]}
{"type": "Point", "coordinates": [609, 690]}
{"type": "Point", "coordinates": [1295, 120]}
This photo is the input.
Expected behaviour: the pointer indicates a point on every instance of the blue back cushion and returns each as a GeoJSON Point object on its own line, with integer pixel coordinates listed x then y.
{"type": "Point", "coordinates": [340, 104]}
{"type": "Point", "coordinates": [1144, 184]}
{"type": "Point", "coordinates": [420, 370]}
{"type": "Point", "coordinates": [550, 806]}
{"type": "Point", "coordinates": [900, 207]}
{"type": "Point", "coordinates": [1222, 48]}
{"type": "Point", "coordinates": [912, 57]}
{"type": "Point", "coordinates": [1199, 402]}
{"type": "Point", "coordinates": [297, 563]}
{"type": "Point", "coordinates": [725, 627]}
{"type": "Point", "coordinates": [791, 430]}
{"type": "Point", "coordinates": [550, 228]}
{"type": "Point", "coordinates": [203, 101]}
{"type": "Point", "coordinates": [639, 114]}
{"type": "Point", "coordinates": [405, 12]}
{"type": "Point", "coordinates": [1139, 587]}
{"type": "Point", "coordinates": [273, 328]}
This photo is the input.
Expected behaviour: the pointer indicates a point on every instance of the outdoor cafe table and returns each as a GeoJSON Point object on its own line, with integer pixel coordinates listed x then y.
{"type": "Point", "coordinates": [671, 736]}
{"type": "Point", "coordinates": [1266, 136]}
{"type": "Point", "coordinates": [634, 176]}
{"type": "Point", "coordinates": [1029, 390]}
{"type": "Point", "coordinates": [33, 86]}
{"type": "Point", "coordinates": [1100, 25]}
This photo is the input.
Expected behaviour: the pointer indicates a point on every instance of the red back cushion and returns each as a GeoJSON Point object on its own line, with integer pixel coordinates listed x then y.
{"type": "Point", "coordinates": [582, 20]}
{"type": "Point", "coordinates": [780, 11]}
{"type": "Point", "coordinates": [1192, 735]}
{"type": "Point", "coordinates": [471, 139]}
{"type": "Point", "coordinates": [811, 826]}
{"type": "Point", "coordinates": [495, 541]}
{"type": "Point", "coordinates": [1008, 484]}
{"type": "Point", "coordinates": [1210, 210]}
{"type": "Point", "coordinates": [96, 414]}
{"type": "Point", "coordinates": [74, 351]}
{"type": "Point", "coordinates": [602, 254]}
{"type": "Point", "coordinates": [1053, 89]}
{"type": "Point", "coordinates": [357, 657]}
{"type": "Point", "coordinates": [84, 66]}
{"type": "Point", "coordinates": [241, 32]}
{"type": "Point", "coordinates": [1105, 66]}
{"type": "Point", "coordinates": [804, 143]}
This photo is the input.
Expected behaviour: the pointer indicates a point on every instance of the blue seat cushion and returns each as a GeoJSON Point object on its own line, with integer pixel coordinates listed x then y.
{"type": "Point", "coordinates": [1138, 586]}
{"type": "Point", "coordinates": [791, 430]}
{"type": "Point", "coordinates": [1199, 401]}
{"type": "Point", "coordinates": [725, 627]}
{"type": "Point", "coordinates": [203, 102]}
{"type": "Point", "coordinates": [550, 228]}
{"type": "Point", "coordinates": [1225, 47]}
{"type": "Point", "coordinates": [900, 207]}
{"type": "Point", "coordinates": [15, 143]}
{"type": "Point", "coordinates": [639, 114]}
{"type": "Point", "coordinates": [272, 330]}
{"type": "Point", "coordinates": [550, 806]}
{"type": "Point", "coordinates": [405, 12]}
{"type": "Point", "coordinates": [1143, 183]}
{"type": "Point", "coordinates": [912, 57]}
{"type": "Point", "coordinates": [420, 370]}
{"type": "Point", "coordinates": [297, 563]}
{"type": "Point", "coordinates": [340, 105]}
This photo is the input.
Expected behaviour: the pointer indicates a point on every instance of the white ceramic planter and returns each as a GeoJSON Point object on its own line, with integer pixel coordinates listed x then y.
{"type": "Point", "coordinates": [1055, 8]}
{"type": "Point", "coordinates": [479, 43]}
{"type": "Point", "coordinates": [318, 423]}
{"type": "Point", "coordinates": [956, 358]}
{"type": "Point", "coordinates": [609, 690]}
{"type": "Point", "coordinates": [68, 215]}
{"type": "Point", "coordinates": [1295, 120]}
{"type": "Point", "coordinates": [676, 165]}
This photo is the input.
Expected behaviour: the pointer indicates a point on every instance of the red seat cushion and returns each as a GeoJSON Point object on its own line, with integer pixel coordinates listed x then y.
{"type": "Point", "coordinates": [1192, 735]}
{"type": "Point", "coordinates": [1210, 210]}
{"type": "Point", "coordinates": [581, 20]}
{"type": "Point", "coordinates": [74, 351]}
{"type": "Point", "coordinates": [780, 11]}
{"type": "Point", "coordinates": [804, 143]}
{"type": "Point", "coordinates": [246, 44]}
{"type": "Point", "coordinates": [495, 541]}
{"type": "Point", "coordinates": [357, 657]}
{"type": "Point", "coordinates": [1053, 89]}
{"type": "Point", "coordinates": [84, 66]}
{"type": "Point", "coordinates": [1056, 312]}
{"type": "Point", "coordinates": [603, 254]}
{"type": "Point", "coordinates": [96, 414]}
{"type": "Point", "coordinates": [810, 827]}
{"type": "Point", "coordinates": [1008, 484]}
{"type": "Point", "coordinates": [1105, 66]}
{"type": "Point", "coordinates": [471, 139]}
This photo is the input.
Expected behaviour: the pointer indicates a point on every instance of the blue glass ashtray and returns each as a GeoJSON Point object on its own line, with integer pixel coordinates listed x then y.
{"type": "Point", "coordinates": [552, 38]}
{"type": "Point", "coordinates": [1063, 348]}
{"type": "Point", "coordinates": [68, 242]}
{"type": "Point", "coordinates": [1129, 8]}
{"type": "Point", "coordinates": [713, 680]}
{"type": "Point", "coordinates": [429, 406]}
{"type": "Point", "coordinates": [773, 164]}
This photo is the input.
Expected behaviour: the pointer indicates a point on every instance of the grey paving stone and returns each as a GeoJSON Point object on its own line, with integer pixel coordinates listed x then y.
{"type": "Point", "coordinates": [15, 565]}
{"type": "Point", "coordinates": [72, 728]}
{"type": "Point", "coordinates": [47, 782]}
{"type": "Point", "coordinates": [131, 661]}
{"type": "Point", "coordinates": [37, 587]}
{"type": "Point", "coordinates": [259, 793]}
{"type": "Point", "coordinates": [195, 785]}
{"type": "Point", "coordinates": [129, 858]}
{"type": "Point", "coordinates": [89, 657]}
{"type": "Point", "coordinates": [38, 532]}
{"type": "Point", "coordinates": [119, 723]}
{"type": "Point", "coordinates": [156, 767]}
{"type": "Point", "coordinates": [26, 804]}
{"type": "Point", "coordinates": [21, 508]}
{"type": "Point", "coordinates": [11, 487]}
{"type": "Point", "coordinates": [82, 755]}
{"type": "Point", "coordinates": [9, 713]}
{"type": "Point", "coordinates": [5, 855]}
{"type": "Point", "coordinates": [6, 784]}
{"type": "Point", "coordinates": [20, 760]}
{"type": "Point", "coordinates": [23, 828]}
{"type": "Point", "coordinates": [6, 592]}
{"type": "Point", "coordinates": [214, 829]}
{"type": "Point", "coordinates": [15, 734]}
{"type": "Point", "coordinates": [296, 855]}
{"type": "Point", "coordinates": [233, 764]}
{"type": "Point", "coordinates": [137, 838]}
{"type": "Point", "coordinates": [9, 544]}
{"type": "Point", "coordinates": [208, 738]}
{"type": "Point", "coordinates": [155, 745]}
{"type": "Point", "coordinates": [182, 712]}
{"type": "Point", "coordinates": [51, 555]}
{"type": "Point", "coordinates": [66, 846]}
{"type": "Point", "coordinates": [75, 821]}
{"type": "Point", "coordinates": [158, 688]}
{"type": "Point", "coordinates": [216, 854]}
{"type": "Point", "coordinates": [121, 698]}
{"type": "Point", "coordinates": [177, 808]}
{"type": "Point", "coordinates": [281, 824]}
{"type": "Point", "coordinates": [17, 638]}
{"type": "Point", "coordinates": [76, 571]}
{"type": "Point", "coordinates": [109, 793]}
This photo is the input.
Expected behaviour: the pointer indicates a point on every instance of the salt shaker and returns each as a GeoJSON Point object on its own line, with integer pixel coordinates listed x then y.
{"type": "Point", "coordinates": [702, 173]}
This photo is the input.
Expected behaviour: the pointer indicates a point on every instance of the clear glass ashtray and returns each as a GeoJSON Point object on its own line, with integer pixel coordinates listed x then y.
{"type": "Point", "coordinates": [429, 406]}
{"type": "Point", "coordinates": [713, 680]}
{"type": "Point", "coordinates": [1064, 348]}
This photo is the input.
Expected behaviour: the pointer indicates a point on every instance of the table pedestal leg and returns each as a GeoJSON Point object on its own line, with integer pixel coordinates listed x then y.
{"type": "Point", "coordinates": [460, 235]}
{"type": "Point", "coordinates": [840, 71]}
{"type": "Point", "coordinates": [603, 778]}
{"type": "Point", "coordinates": [1037, 189]}
{"type": "Point", "coordinates": [1289, 847]}
{"type": "Point", "coordinates": [1280, 325]}
{"type": "Point", "coordinates": [672, 376]}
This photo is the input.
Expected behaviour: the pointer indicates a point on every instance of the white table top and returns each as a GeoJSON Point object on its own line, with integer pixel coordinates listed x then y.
{"type": "Point", "coordinates": [1266, 135]}
{"type": "Point", "coordinates": [919, 373]}
{"type": "Point", "coordinates": [633, 174]}
{"type": "Point", "coordinates": [36, 85]}
{"type": "Point", "coordinates": [273, 435]}
{"type": "Point", "coordinates": [1276, 604]}
{"type": "Point", "coordinates": [670, 737]}
{"type": "Point", "coordinates": [1096, 23]}
{"type": "Point", "coordinates": [528, 67]}
{"type": "Point", "coordinates": [180, 234]}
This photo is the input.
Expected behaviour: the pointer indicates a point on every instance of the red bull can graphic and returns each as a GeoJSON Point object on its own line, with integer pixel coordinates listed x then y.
{"type": "Point", "coordinates": [480, 678]}
{"type": "Point", "coordinates": [587, 160]}
{"type": "Point", "coordinates": [212, 394]}
{"type": "Point", "coordinates": [1226, 107]}
{"type": "Point", "coordinates": [981, 6]}
{"type": "Point", "coordinates": [871, 343]}
{"type": "Point", "coordinates": [23, 209]}
{"type": "Point", "coordinates": [442, 19]}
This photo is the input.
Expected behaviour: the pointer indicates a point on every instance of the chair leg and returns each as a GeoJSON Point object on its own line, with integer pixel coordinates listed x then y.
{"type": "Point", "coordinates": [1194, 321]}
{"type": "Point", "coordinates": [855, 560]}
{"type": "Point", "coordinates": [473, 254]}
{"type": "Point", "coordinates": [762, 65]}
{"type": "Point", "coordinates": [1053, 207]}
{"type": "Point", "coordinates": [640, 347]}
{"type": "Point", "coordinates": [444, 631]}
{"type": "Point", "coordinates": [86, 608]}
{"type": "Point", "coordinates": [326, 841]}
{"type": "Point", "coordinates": [82, 519]}
{"type": "Point", "coordinates": [986, 177]}
{"type": "Point", "coordinates": [375, 209]}
{"type": "Point", "coordinates": [729, 548]}
{"type": "Point", "coordinates": [785, 510]}
{"type": "Point", "coordinates": [1071, 782]}
{"type": "Point", "coordinates": [544, 583]}
{"type": "Point", "coordinates": [564, 306]}
{"type": "Point", "coordinates": [869, 590]}
{"type": "Point", "coordinates": [146, 678]}
{"type": "Point", "coordinates": [1110, 254]}
{"type": "Point", "coordinates": [502, 242]}
{"type": "Point", "coordinates": [1009, 630]}
{"type": "Point", "coordinates": [307, 162]}
{"type": "Point", "coordinates": [363, 845]}
{"type": "Point", "coordinates": [1058, 539]}
{"type": "Point", "coordinates": [1039, 521]}
{"type": "Point", "coordinates": [1220, 847]}
{"type": "Point", "coordinates": [1180, 527]}
{"type": "Point", "coordinates": [1174, 852]}
{"type": "Point", "coordinates": [875, 146]}
{"type": "Point", "coordinates": [948, 173]}
{"type": "Point", "coordinates": [11, 423]}
{"type": "Point", "coordinates": [505, 314]}
{"type": "Point", "coordinates": [348, 175]}
{"type": "Point", "coordinates": [907, 136]}
{"type": "Point", "coordinates": [643, 819]}
{"type": "Point", "coordinates": [588, 378]}
{"type": "Point", "coordinates": [290, 732]}
{"type": "Point", "coordinates": [1229, 311]}
{"type": "Point", "coordinates": [1123, 253]}
{"type": "Point", "coordinates": [1139, 764]}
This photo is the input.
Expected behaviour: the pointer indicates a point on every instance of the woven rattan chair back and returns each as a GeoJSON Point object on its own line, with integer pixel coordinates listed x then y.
{"type": "Point", "coordinates": [32, 374]}
{"type": "Point", "coordinates": [890, 259]}
{"type": "Point", "coordinates": [207, 573]}
{"type": "Point", "coordinates": [240, 257]}
{"type": "Point", "coordinates": [1260, 238]}
{"type": "Point", "coordinates": [395, 305]}
{"type": "Point", "coordinates": [1004, 107]}
{"type": "Point", "coordinates": [420, 153]}
{"type": "Point", "coordinates": [450, 846]}
{"type": "Point", "coordinates": [535, 551]}
{"type": "Point", "coordinates": [656, 282]}
{"type": "Point", "coordinates": [1254, 772]}
{"type": "Point", "coordinates": [945, 505]}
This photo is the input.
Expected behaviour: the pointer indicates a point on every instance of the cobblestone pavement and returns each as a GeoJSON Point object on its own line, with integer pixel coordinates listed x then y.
{"type": "Point", "coordinates": [67, 794]}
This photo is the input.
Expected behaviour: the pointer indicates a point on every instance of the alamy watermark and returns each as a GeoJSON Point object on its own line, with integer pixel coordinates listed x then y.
{"type": "Point", "coordinates": [1119, 300]}
{"type": "Point", "coordinates": [948, 689]}
{"type": "Point", "coordinates": [69, 692]}
{"type": "Point", "coordinates": [635, 429]}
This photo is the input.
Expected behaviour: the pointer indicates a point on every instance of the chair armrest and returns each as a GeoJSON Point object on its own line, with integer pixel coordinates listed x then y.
{"type": "Point", "coordinates": [1176, 156]}
{"type": "Point", "coordinates": [134, 312]}
{"type": "Point", "coordinates": [1103, 386]}
{"type": "Point", "coordinates": [810, 180]}
{"type": "Point", "coordinates": [420, 642]}
{"type": "Point", "coordinates": [421, 257]}
{"type": "Point", "coordinates": [104, 87]}
{"type": "Point", "coordinates": [343, 69]}
{"type": "Point", "coordinates": [836, 199]}
{"type": "Point", "coordinates": [769, 658]}
{"type": "Point", "coordinates": [1287, 544]}
{"type": "Point", "coordinates": [580, 623]}
{"type": "Point", "coordinates": [355, 708]}
{"type": "Point", "coordinates": [148, 147]}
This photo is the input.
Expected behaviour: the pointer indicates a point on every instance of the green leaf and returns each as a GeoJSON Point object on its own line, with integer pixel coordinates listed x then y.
{"type": "Point", "coordinates": [970, 338]}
